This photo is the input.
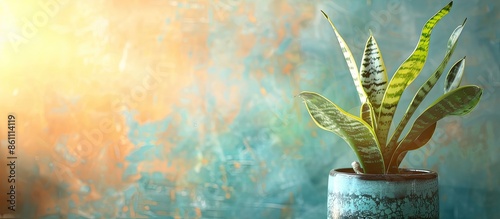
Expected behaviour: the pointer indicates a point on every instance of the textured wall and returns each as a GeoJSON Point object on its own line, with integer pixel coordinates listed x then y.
{"type": "Point", "coordinates": [186, 109]}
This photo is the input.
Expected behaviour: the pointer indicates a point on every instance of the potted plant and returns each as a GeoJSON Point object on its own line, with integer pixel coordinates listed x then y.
{"type": "Point", "coordinates": [375, 187]}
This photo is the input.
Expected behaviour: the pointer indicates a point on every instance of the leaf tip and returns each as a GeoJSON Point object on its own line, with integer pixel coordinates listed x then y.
{"type": "Point", "coordinates": [301, 95]}
{"type": "Point", "coordinates": [465, 21]}
{"type": "Point", "coordinates": [298, 95]}
{"type": "Point", "coordinates": [448, 6]}
{"type": "Point", "coordinates": [324, 14]}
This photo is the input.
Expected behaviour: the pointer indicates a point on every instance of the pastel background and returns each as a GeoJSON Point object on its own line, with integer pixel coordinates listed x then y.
{"type": "Point", "coordinates": [186, 109]}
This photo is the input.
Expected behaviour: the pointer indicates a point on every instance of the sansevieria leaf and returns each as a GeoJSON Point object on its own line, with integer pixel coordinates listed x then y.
{"type": "Point", "coordinates": [454, 77]}
{"type": "Point", "coordinates": [367, 114]}
{"type": "Point", "coordinates": [356, 132]}
{"type": "Point", "coordinates": [422, 93]}
{"type": "Point", "coordinates": [373, 74]}
{"type": "Point", "coordinates": [351, 63]}
{"type": "Point", "coordinates": [457, 102]}
{"type": "Point", "coordinates": [418, 143]}
{"type": "Point", "coordinates": [406, 74]}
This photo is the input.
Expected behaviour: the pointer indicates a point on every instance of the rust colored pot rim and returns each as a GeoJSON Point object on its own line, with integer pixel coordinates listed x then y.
{"type": "Point", "coordinates": [403, 175]}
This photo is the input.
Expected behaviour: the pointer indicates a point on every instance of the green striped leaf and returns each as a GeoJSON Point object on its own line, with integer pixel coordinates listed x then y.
{"type": "Point", "coordinates": [457, 102]}
{"type": "Point", "coordinates": [418, 143]}
{"type": "Point", "coordinates": [454, 77]}
{"type": "Point", "coordinates": [367, 114]}
{"type": "Point", "coordinates": [422, 93]}
{"type": "Point", "coordinates": [351, 63]}
{"type": "Point", "coordinates": [405, 75]}
{"type": "Point", "coordinates": [373, 74]}
{"type": "Point", "coordinates": [356, 132]}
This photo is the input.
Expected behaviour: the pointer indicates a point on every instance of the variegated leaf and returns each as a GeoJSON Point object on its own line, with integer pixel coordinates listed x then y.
{"type": "Point", "coordinates": [373, 74]}
{"type": "Point", "coordinates": [351, 63]}
{"type": "Point", "coordinates": [356, 132]}
{"type": "Point", "coordinates": [419, 142]}
{"type": "Point", "coordinates": [422, 93]}
{"type": "Point", "coordinates": [367, 114]}
{"type": "Point", "coordinates": [406, 74]}
{"type": "Point", "coordinates": [454, 77]}
{"type": "Point", "coordinates": [457, 102]}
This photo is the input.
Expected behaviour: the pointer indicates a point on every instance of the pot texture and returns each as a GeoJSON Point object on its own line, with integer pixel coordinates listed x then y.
{"type": "Point", "coordinates": [409, 194]}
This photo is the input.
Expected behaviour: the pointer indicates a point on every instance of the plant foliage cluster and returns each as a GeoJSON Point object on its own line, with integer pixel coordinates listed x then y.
{"type": "Point", "coordinates": [368, 133]}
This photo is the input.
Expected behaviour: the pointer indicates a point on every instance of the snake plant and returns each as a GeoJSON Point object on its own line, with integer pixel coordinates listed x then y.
{"type": "Point", "coordinates": [368, 133]}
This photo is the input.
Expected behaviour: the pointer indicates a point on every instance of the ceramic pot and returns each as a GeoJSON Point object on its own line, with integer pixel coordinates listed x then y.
{"type": "Point", "coordinates": [409, 194]}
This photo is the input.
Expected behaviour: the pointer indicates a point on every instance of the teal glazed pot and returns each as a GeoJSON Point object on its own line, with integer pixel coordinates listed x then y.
{"type": "Point", "coordinates": [409, 194]}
